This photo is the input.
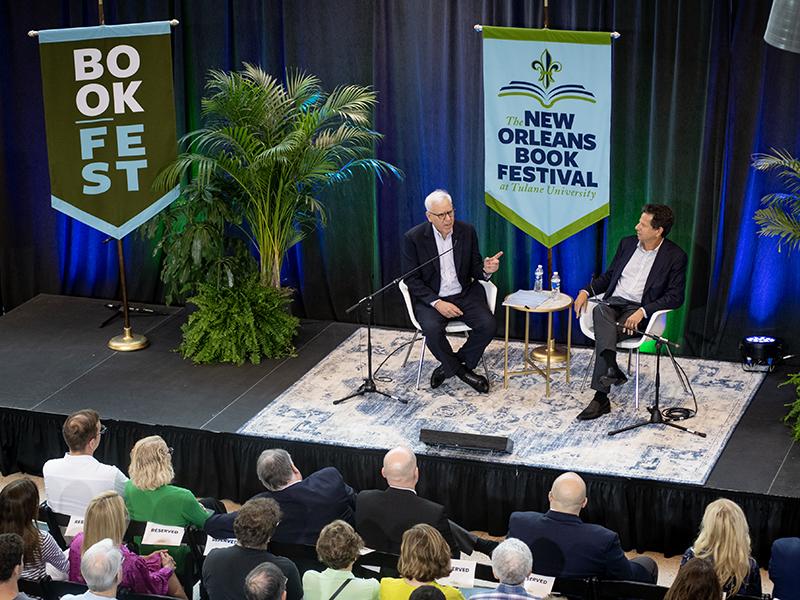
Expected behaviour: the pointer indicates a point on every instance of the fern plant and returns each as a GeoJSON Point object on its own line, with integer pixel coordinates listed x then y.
{"type": "Point", "coordinates": [239, 323]}
{"type": "Point", "coordinates": [780, 215]}
{"type": "Point", "coordinates": [793, 416]}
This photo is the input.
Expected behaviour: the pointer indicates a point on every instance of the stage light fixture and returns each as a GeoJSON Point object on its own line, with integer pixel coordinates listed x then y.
{"type": "Point", "coordinates": [783, 27]}
{"type": "Point", "coordinates": [760, 352]}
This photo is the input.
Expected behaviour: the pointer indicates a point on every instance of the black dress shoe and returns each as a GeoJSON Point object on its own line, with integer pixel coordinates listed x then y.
{"type": "Point", "coordinates": [597, 408]}
{"type": "Point", "coordinates": [437, 377]}
{"type": "Point", "coordinates": [475, 381]}
{"type": "Point", "coordinates": [613, 377]}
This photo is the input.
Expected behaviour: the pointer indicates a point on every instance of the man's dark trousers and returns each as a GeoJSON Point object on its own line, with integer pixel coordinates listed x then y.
{"type": "Point", "coordinates": [607, 334]}
{"type": "Point", "coordinates": [477, 316]}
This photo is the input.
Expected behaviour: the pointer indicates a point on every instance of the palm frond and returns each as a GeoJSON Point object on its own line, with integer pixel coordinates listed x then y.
{"type": "Point", "coordinates": [775, 222]}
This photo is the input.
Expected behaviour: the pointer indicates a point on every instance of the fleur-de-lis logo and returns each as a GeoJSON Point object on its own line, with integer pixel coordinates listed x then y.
{"type": "Point", "coordinates": [546, 66]}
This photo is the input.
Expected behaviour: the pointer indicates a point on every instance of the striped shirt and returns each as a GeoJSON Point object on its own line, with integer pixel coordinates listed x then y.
{"type": "Point", "coordinates": [503, 592]}
{"type": "Point", "coordinates": [51, 553]}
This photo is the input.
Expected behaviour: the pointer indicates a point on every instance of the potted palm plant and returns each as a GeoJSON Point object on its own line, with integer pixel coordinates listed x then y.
{"type": "Point", "coordinates": [252, 177]}
{"type": "Point", "coordinates": [780, 217]}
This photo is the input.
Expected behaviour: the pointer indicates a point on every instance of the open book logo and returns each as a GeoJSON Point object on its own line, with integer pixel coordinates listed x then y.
{"type": "Point", "coordinates": [544, 94]}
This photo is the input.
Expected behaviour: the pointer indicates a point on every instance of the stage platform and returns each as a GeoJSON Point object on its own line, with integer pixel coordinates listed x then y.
{"type": "Point", "coordinates": [54, 360]}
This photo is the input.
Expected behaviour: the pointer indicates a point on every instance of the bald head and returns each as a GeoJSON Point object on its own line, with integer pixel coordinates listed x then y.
{"type": "Point", "coordinates": [568, 494]}
{"type": "Point", "coordinates": [400, 467]}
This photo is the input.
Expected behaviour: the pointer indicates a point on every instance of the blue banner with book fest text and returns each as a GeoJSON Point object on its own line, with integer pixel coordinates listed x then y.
{"type": "Point", "coordinates": [547, 105]}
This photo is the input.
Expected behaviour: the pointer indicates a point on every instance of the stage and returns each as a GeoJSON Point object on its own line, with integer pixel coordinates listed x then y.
{"type": "Point", "coordinates": [54, 360]}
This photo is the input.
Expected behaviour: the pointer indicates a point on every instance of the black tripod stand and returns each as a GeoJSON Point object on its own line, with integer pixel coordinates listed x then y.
{"type": "Point", "coordinates": [656, 418]}
{"type": "Point", "coordinates": [369, 383]}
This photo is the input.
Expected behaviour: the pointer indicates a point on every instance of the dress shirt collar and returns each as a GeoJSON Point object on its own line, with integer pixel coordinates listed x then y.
{"type": "Point", "coordinates": [512, 590]}
{"type": "Point", "coordinates": [641, 247]}
{"type": "Point", "coordinates": [440, 237]}
{"type": "Point", "coordinates": [561, 516]}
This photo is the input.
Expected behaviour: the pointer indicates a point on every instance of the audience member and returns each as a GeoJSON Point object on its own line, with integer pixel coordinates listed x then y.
{"type": "Point", "coordinates": [511, 564]}
{"type": "Point", "coordinates": [783, 571]}
{"type": "Point", "coordinates": [564, 546]}
{"type": "Point", "coordinates": [225, 569]}
{"type": "Point", "coordinates": [307, 504]}
{"type": "Point", "coordinates": [696, 580]}
{"type": "Point", "coordinates": [265, 582]}
{"type": "Point", "coordinates": [427, 592]}
{"type": "Point", "coordinates": [424, 557]}
{"type": "Point", "coordinates": [149, 494]}
{"type": "Point", "coordinates": [382, 516]}
{"type": "Point", "coordinates": [11, 549]}
{"type": "Point", "coordinates": [72, 481]}
{"type": "Point", "coordinates": [724, 540]}
{"type": "Point", "coordinates": [106, 517]}
{"type": "Point", "coordinates": [338, 548]}
{"type": "Point", "coordinates": [100, 567]}
{"type": "Point", "coordinates": [19, 509]}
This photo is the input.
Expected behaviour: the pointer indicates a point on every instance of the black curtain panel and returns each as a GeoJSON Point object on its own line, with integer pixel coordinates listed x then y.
{"type": "Point", "coordinates": [696, 91]}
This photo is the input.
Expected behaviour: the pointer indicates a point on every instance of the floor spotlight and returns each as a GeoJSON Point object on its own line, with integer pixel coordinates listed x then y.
{"type": "Point", "coordinates": [760, 352]}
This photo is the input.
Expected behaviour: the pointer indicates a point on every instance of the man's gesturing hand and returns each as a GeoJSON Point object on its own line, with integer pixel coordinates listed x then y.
{"type": "Point", "coordinates": [492, 263]}
{"type": "Point", "coordinates": [448, 309]}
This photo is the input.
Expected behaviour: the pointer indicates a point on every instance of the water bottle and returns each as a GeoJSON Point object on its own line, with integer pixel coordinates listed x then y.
{"type": "Point", "coordinates": [538, 277]}
{"type": "Point", "coordinates": [555, 284]}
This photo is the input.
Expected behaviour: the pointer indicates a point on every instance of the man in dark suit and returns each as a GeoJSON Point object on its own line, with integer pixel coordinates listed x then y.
{"type": "Point", "coordinates": [648, 274]}
{"type": "Point", "coordinates": [564, 546]}
{"type": "Point", "coordinates": [307, 504]}
{"type": "Point", "coordinates": [382, 516]}
{"type": "Point", "coordinates": [448, 289]}
{"type": "Point", "coordinates": [783, 561]}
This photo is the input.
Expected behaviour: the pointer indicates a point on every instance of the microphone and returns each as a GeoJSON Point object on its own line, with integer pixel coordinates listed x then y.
{"type": "Point", "coordinates": [652, 336]}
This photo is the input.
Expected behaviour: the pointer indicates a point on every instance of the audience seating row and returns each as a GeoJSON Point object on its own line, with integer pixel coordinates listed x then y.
{"type": "Point", "coordinates": [48, 589]}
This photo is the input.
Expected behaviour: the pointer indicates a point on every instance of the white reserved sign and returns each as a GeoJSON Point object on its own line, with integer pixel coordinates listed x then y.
{"type": "Point", "coordinates": [156, 534]}
{"type": "Point", "coordinates": [462, 575]}
{"type": "Point", "coordinates": [74, 527]}
{"type": "Point", "coordinates": [214, 543]}
{"type": "Point", "coordinates": [539, 585]}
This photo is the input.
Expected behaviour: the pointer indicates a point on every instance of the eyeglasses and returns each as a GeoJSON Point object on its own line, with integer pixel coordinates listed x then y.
{"type": "Point", "coordinates": [171, 450]}
{"type": "Point", "coordinates": [103, 430]}
{"type": "Point", "coordinates": [443, 215]}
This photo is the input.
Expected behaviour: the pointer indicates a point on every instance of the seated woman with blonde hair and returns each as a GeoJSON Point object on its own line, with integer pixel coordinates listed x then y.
{"type": "Point", "coordinates": [424, 557]}
{"type": "Point", "coordinates": [149, 494]}
{"type": "Point", "coordinates": [338, 548]}
{"type": "Point", "coordinates": [106, 517]}
{"type": "Point", "coordinates": [724, 541]}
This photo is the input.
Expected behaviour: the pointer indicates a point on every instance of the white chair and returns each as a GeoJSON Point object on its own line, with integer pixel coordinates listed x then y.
{"type": "Point", "coordinates": [452, 327]}
{"type": "Point", "coordinates": [655, 326]}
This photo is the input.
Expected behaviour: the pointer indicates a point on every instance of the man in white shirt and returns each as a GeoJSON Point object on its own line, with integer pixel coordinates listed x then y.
{"type": "Point", "coordinates": [71, 482]}
{"type": "Point", "coordinates": [648, 274]}
{"type": "Point", "coordinates": [448, 288]}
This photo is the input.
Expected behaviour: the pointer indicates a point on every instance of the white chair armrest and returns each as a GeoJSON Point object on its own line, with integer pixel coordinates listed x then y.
{"type": "Point", "coordinates": [491, 293]}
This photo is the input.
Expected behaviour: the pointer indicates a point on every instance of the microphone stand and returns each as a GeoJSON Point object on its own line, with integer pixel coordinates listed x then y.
{"type": "Point", "coordinates": [656, 418]}
{"type": "Point", "coordinates": [369, 382]}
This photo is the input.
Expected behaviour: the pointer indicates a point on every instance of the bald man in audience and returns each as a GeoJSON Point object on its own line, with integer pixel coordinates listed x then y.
{"type": "Point", "coordinates": [564, 546]}
{"type": "Point", "coordinates": [382, 516]}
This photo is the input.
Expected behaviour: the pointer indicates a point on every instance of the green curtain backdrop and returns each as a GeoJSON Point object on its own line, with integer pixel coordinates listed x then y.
{"type": "Point", "coordinates": [696, 92]}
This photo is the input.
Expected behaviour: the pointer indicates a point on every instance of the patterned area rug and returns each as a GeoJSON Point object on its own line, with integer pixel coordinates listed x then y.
{"type": "Point", "coordinates": [544, 430]}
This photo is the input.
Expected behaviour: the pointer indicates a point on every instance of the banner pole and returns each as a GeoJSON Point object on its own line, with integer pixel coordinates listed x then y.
{"type": "Point", "coordinates": [128, 341]}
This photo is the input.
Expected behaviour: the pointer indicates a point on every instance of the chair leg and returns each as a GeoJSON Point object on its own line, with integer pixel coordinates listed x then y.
{"type": "Point", "coordinates": [410, 346]}
{"type": "Point", "coordinates": [636, 393]}
{"type": "Point", "coordinates": [630, 353]}
{"type": "Point", "coordinates": [421, 358]}
{"type": "Point", "coordinates": [486, 371]}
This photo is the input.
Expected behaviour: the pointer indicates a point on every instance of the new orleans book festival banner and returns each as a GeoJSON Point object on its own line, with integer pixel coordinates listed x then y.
{"type": "Point", "coordinates": [110, 121]}
{"type": "Point", "coordinates": [547, 103]}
